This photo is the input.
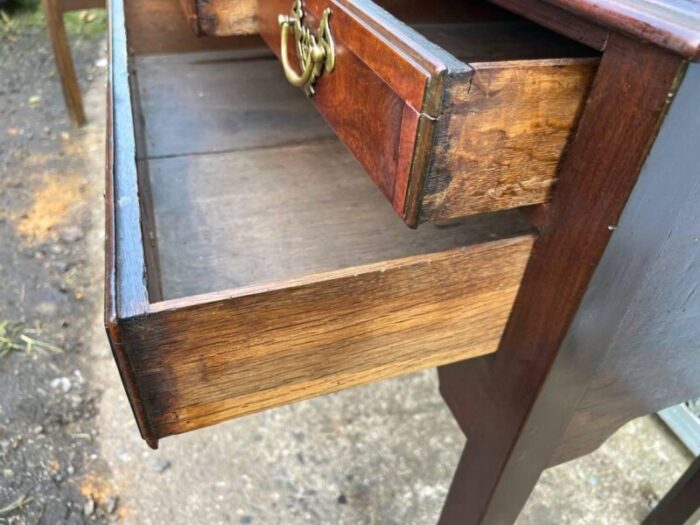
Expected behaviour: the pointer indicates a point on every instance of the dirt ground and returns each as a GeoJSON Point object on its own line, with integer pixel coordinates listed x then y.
{"type": "Point", "coordinates": [49, 289]}
{"type": "Point", "coordinates": [69, 450]}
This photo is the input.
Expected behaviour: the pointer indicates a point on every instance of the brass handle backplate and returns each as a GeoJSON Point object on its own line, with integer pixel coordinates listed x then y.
{"type": "Point", "coordinates": [316, 53]}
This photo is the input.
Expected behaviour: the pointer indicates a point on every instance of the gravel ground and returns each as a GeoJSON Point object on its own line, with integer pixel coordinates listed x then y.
{"type": "Point", "coordinates": [69, 450]}
{"type": "Point", "coordinates": [49, 289]}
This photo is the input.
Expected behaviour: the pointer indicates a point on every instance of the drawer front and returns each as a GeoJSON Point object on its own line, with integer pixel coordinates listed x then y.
{"type": "Point", "coordinates": [444, 137]}
{"type": "Point", "coordinates": [383, 95]}
{"type": "Point", "coordinates": [203, 363]}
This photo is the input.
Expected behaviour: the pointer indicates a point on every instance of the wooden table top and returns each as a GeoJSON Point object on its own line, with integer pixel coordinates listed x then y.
{"type": "Point", "coordinates": [672, 24]}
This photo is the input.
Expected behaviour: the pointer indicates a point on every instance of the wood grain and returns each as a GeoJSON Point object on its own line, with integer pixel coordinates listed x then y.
{"type": "Point", "coordinates": [246, 217]}
{"type": "Point", "coordinates": [158, 26]}
{"type": "Point", "coordinates": [504, 130]}
{"type": "Point", "coordinates": [259, 110]}
{"type": "Point", "coordinates": [378, 88]}
{"type": "Point", "coordinates": [222, 17]}
{"type": "Point", "coordinates": [501, 126]}
{"type": "Point", "coordinates": [642, 355]}
{"type": "Point", "coordinates": [259, 228]}
{"type": "Point", "coordinates": [673, 25]}
{"type": "Point", "coordinates": [510, 405]}
{"type": "Point", "coordinates": [258, 194]}
{"type": "Point", "coordinates": [260, 347]}
{"type": "Point", "coordinates": [126, 291]}
{"type": "Point", "coordinates": [131, 293]}
{"type": "Point", "coordinates": [226, 17]}
{"type": "Point", "coordinates": [64, 61]}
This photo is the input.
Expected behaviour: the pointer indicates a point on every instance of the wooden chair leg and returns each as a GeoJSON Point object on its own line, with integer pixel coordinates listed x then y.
{"type": "Point", "coordinates": [681, 502]}
{"type": "Point", "coordinates": [64, 61]}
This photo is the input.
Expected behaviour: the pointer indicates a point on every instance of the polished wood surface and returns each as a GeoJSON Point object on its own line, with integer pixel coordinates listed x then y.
{"type": "Point", "coordinates": [227, 18]}
{"type": "Point", "coordinates": [644, 302]}
{"type": "Point", "coordinates": [375, 99]}
{"type": "Point", "coordinates": [599, 332]}
{"type": "Point", "coordinates": [670, 24]}
{"type": "Point", "coordinates": [513, 410]}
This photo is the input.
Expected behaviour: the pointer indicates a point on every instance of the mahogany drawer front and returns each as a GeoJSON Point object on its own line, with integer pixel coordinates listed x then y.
{"type": "Point", "coordinates": [449, 119]}
{"type": "Point", "coordinates": [243, 275]}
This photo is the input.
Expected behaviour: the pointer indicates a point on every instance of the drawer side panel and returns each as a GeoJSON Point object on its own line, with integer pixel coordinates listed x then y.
{"type": "Point", "coordinates": [501, 135]}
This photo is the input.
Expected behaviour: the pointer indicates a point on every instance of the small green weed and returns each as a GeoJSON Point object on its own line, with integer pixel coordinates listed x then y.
{"type": "Point", "coordinates": [15, 505]}
{"type": "Point", "coordinates": [17, 337]}
{"type": "Point", "coordinates": [22, 14]}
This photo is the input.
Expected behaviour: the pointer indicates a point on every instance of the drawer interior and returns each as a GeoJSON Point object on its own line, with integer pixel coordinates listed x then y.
{"type": "Point", "coordinates": [247, 185]}
{"type": "Point", "coordinates": [500, 40]}
{"type": "Point", "coordinates": [479, 31]}
{"type": "Point", "coordinates": [249, 261]}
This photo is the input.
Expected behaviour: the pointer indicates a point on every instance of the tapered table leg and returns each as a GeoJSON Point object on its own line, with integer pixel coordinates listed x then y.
{"type": "Point", "coordinates": [681, 502]}
{"type": "Point", "coordinates": [64, 61]}
{"type": "Point", "coordinates": [515, 405]}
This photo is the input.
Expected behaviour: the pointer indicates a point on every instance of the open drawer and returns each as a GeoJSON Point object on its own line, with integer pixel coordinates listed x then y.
{"type": "Point", "coordinates": [244, 273]}
{"type": "Point", "coordinates": [448, 118]}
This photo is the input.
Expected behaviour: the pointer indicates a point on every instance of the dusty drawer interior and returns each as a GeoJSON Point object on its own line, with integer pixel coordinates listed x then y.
{"type": "Point", "coordinates": [251, 263]}
{"type": "Point", "coordinates": [256, 188]}
{"type": "Point", "coordinates": [452, 110]}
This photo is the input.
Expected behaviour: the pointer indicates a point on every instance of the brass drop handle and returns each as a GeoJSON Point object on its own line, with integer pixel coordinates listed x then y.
{"type": "Point", "coordinates": [316, 53]}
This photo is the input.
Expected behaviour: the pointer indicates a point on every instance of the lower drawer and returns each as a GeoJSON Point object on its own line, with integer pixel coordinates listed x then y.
{"type": "Point", "coordinates": [243, 273]}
